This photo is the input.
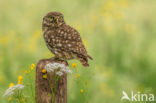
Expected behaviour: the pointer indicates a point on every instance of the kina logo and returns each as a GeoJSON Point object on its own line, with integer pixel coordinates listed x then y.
{"type": "Point", "coordinates": [137, 96]}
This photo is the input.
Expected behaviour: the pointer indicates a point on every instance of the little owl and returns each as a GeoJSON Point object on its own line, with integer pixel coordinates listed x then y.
{"type": "Point", "coordinates": [63, 40]}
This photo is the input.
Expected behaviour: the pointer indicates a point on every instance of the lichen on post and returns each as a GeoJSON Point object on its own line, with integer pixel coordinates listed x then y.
{"type": "Point", "coordinates": [51, 81]}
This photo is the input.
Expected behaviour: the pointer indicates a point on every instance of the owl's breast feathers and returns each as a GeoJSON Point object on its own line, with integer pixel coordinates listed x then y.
{"type": "Point", "coordinates": [65, 42]}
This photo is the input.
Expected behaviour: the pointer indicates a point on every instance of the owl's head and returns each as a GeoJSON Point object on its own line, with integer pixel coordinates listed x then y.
{"type": "Point", "coordinates": [53, 19]}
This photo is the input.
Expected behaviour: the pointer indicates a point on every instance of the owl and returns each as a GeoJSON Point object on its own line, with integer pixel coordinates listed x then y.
{"type": "Point", "coordinates": [63, 40]}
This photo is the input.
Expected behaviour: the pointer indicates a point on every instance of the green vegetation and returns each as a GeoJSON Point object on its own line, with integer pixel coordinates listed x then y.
{"type": "Point", "coordinates": [120, 35]}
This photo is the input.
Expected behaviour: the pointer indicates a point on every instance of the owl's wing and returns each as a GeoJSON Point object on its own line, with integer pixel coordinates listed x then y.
{"type": "Point", "coordinates": [72, 42]}
{"type": "Point", "coordinates": [65, 42]}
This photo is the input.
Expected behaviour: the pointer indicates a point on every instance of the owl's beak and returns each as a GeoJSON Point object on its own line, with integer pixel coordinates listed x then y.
{"type": "Point", "coordinates": [57, 20]}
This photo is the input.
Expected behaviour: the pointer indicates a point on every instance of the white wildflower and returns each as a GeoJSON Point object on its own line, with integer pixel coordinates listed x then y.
{"type": "Point", "coordinates": [59, 73]}
{"type": "Point", "coordinates": [19, 86]}
{"type": "Point", "coordinates": [10, 91]}
{"type": "Point", "coordinates": [61, 68]}
{"type": "Point", "coordinates": [66, 70]}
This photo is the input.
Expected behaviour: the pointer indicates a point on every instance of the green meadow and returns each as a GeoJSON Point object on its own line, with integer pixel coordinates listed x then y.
{"type": "Point", "coordinates": [120, 35]}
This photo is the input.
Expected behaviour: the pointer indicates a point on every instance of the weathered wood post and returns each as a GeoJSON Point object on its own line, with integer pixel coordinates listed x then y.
{"type": "Point", "coordinates": [43, 90]}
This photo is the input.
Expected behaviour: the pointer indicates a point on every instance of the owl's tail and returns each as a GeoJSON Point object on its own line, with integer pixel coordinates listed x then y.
{"type": "Point", "coordinates": [90, 57]}
{"type": "Point", "coordinates": [84, 60]}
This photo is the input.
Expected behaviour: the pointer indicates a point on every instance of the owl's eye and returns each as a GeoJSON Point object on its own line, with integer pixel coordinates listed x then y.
{"type": "Point", "coordinates": [51, 18]}
{"type": "Point", "coordinates": [61, 18]}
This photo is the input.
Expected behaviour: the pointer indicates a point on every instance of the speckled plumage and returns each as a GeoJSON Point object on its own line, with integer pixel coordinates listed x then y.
{"type": "Point", "coordinates": [63, 40]}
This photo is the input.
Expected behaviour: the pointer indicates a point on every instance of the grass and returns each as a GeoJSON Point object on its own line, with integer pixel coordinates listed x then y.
{"type": "Point", "coordinates": [118, 34]}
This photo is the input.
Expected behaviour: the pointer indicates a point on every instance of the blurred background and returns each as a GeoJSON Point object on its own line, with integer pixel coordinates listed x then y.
{"type": "Point", "coordinates": [119, 34]}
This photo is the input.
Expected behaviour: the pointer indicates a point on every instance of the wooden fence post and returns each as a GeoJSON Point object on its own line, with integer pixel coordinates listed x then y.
{"type": "Point", "coordinates": [42, 88]}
